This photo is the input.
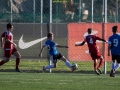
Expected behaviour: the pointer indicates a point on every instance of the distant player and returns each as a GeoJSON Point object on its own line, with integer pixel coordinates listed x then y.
{"type": "Point", "coordinates": [93, 50]}
{"type": "Point", "coordinates": [114, 47]}
{"type": "Point", "coordinates": [9, 47]}
{"type": "Point", "coordinates": [54, 54]}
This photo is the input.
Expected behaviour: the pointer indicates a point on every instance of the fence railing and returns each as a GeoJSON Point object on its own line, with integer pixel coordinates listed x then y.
{"type": "Point", "coordinates": [63, 11]}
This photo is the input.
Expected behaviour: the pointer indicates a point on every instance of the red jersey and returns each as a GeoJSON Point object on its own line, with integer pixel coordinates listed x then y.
{"type": "Point", "coordinates": [8, 35]}
{"type": "Point", "coordinates": [91, 41]}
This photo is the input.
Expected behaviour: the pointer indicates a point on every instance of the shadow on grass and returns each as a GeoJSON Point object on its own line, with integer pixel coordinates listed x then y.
{"type": "Point", "coordinates": [55, 71]}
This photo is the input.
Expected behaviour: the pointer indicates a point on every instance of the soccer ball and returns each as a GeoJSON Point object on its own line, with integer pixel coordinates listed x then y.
{"type": "Point", "coordinates": [75, 66]}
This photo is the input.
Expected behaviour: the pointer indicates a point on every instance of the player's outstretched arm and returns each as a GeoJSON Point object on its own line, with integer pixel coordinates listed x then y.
{"type": "Point", "coordinates": [80, 44]}
{"type": "Point", "coordinates": [98, 38]}
{"type": "Point", "coordinates": [61, 46]}
{"type": "Point", "coordinates": [103, 40]}
{"type": "Point", "coordinates": [40, 54]}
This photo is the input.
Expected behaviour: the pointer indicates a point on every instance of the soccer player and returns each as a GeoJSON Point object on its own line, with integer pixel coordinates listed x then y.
{"type": "Point", "coordinates": [54, 54]}
{"type": "Point", "coordinates": [9, 47]}
{"type": "Point", "coordinates": [93, 50]}
{"type": "Point", "coordinates": [114, 47]}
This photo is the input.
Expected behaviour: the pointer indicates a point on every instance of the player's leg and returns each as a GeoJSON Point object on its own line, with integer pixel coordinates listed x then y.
{"type": "Point", "coordinates": [114, 70]}
{"type": "Point", "coordinates": [7, 54]}
{"type": "Point", "coordinates": [99, 56]}
{"type": "Point", "coordinates": [112, 73]}
{"type": "Point", "coordinates": [93, 56]}
{"type": "Point", "coordinates": [18, 56]}
{"type": "Point", "coordinates": [95, 64]}
{"type": "Point", "coordinates": [54, 61]}
{"type": "Point", "coordinates": [61, 57]}
{"type": "Point", "coordinates": [116, 67]}
{"type": "Point", "coordinates": [118, 63]}
{"type": "Point", "coordinates": [4, 61]}
{"type": "Point", "coordinates": [47, 67]}
{"type": "Point", "coordinates": [66, 61]}
{"type": "Point", "coordinates": [95, 67]}
{"type": "Point", "coordinates": [100, 64]}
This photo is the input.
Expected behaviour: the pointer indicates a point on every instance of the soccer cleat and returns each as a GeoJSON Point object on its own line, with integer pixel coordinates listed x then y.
{"type": "Point", "coordinates": [97, 72]}
{"type": "Point", "coordinates": [43, 70]}
{"type": "Point", "coordinates": [112, 73]}
{"type": "Point", "coordinates": [73, 69]}
{"type": "Point", "coordinates": [18, 70]}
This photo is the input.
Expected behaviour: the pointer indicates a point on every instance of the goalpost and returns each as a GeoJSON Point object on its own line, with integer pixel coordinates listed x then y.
{"type": "Point", "coordinates": [49, 30]}
{"type": "Point", "coordinates": [105, 21]}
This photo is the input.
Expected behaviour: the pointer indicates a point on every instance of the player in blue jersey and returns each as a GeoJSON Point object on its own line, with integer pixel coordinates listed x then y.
{"type": "Point", "coordinates": [54, 54]}
{"type": "Point", "coordinates": [114, 47]}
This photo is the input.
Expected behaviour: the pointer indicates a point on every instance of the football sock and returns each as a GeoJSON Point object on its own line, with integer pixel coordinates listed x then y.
{"type": "Point", "coordinates": [101, 63]}
{"type": "Point", "coordinates": [112, 65]}
{"type": "Point", "coordinates": [68, 63]}
{"type": "Point", "coordinates": [2, 62]}
{"type": "Point", "coordinates": [117, 66]}
{"type": "Point", "coordinates": [95, 65]}
{"type": "Point", "coordinates": [49, 66]}
{"type": "Point", "coordinates": [17, 62]}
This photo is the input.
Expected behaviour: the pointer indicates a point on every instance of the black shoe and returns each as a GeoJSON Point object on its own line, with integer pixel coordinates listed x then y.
{"type": "Point", "coordinates": [18, 70]}
{"type": "Point", "coordinates": [43, 70]}
{"type": "Point", "coordinates": [99, 71]}
{"type": "Point", "coordinates": [112, 73]}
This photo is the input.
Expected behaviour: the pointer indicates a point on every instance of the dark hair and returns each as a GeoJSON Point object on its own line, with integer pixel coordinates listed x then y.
{"type": "Point", "coordinates": [89, 30]}
{"type": "Point", "coordinates": [114, 29]}
{"type": "Point", "coordinates": [49, 34]}
{"type": "Point", "coordinates": [9, 25]}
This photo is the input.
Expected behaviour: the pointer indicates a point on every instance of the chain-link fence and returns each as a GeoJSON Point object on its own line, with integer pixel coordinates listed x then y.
{"type": "Point", "coordinates": [36, 11]}
{"type": "Point", "coordinates": [33, 19]}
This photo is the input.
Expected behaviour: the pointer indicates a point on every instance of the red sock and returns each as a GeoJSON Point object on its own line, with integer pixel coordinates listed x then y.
{"type": "Point", "coordinates": [2, 62]}
{"type": "Point", "coordinates": [17, 62]}
{"type": "Point", "coordinates": [101, 63]}
{"type": "Point", "coordinates": [95, 65]}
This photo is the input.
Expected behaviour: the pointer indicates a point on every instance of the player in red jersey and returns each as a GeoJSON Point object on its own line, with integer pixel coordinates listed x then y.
{"type": "Point", "coordinates": [93, 50]}
{"type": "Point", "coordinates": [9, 47]}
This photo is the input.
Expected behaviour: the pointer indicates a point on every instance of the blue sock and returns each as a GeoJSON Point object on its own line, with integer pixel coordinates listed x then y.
{"type": "Point", "coordinates": [49, 66]}
{"type": "Point", "coordinates": [117, 66]}
{"type": "Point", "coordinates": [113, 65]}
{"type": "Point", "coordinates": [68, 63]}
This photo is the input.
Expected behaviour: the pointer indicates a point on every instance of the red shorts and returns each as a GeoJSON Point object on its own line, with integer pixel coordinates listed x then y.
{"type": "Point", "coordinates": [95, 55]}
{"type": "Point", "coordinates": [8, 53]}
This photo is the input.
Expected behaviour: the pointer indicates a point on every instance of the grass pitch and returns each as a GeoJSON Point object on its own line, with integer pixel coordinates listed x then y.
{"type": "Point", "coordinates": [60, 79]}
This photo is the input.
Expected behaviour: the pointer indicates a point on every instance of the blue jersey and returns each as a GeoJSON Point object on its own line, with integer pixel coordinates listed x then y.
{"type": "Point", "coordinates": [51, 47]}
{"type": "Point", "coordinates": [114, 41]}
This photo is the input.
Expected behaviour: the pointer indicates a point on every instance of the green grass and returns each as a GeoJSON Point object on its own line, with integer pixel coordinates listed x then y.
{"type": "Point", "coordinates": [60, 79]}
{"type": "Point", "coordinates": [57, 81]}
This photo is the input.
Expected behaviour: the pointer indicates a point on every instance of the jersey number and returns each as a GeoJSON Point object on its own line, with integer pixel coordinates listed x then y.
{"type": "Point", "coordinates": [115, 41]}
{"type": "Point", "coordinates": [91, 41]}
